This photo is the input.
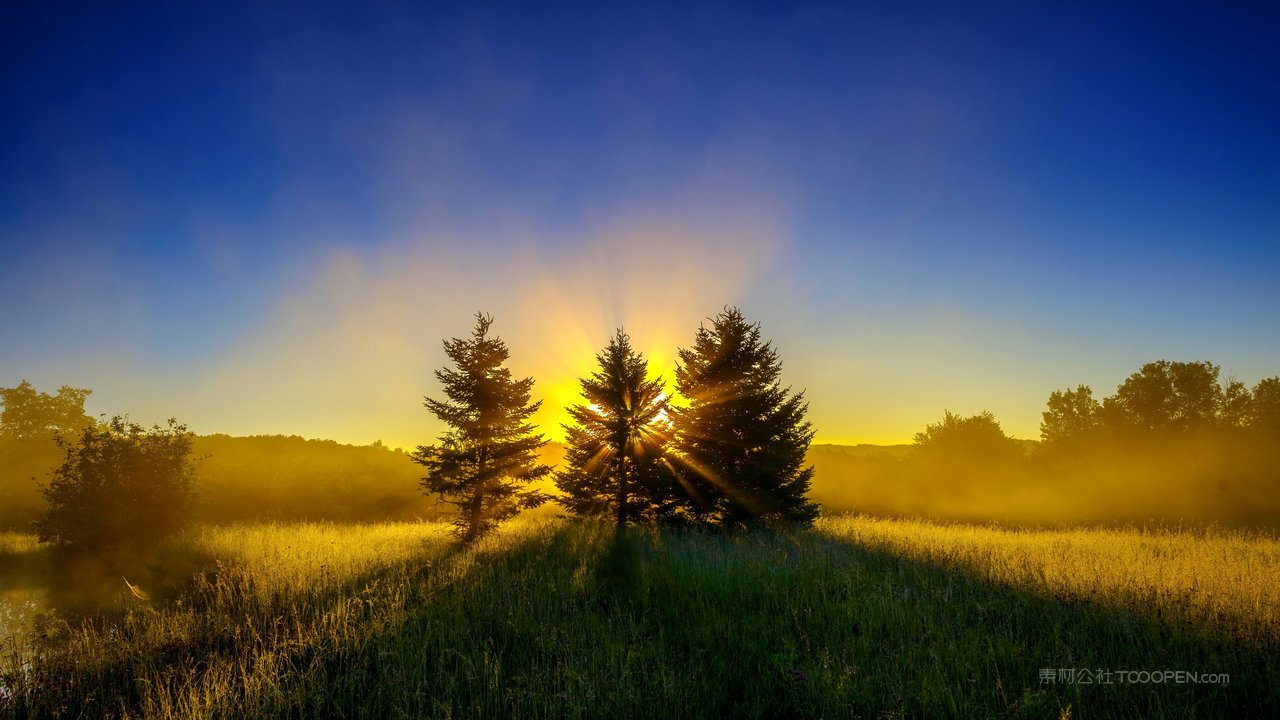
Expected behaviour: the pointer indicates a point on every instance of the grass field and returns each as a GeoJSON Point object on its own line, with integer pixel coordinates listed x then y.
{"type": "Point", "coordinates": [855, 618]}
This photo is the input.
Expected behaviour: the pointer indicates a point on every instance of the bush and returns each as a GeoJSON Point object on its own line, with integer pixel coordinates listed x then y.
{"type": "Point", "coordinates": [121, 487]}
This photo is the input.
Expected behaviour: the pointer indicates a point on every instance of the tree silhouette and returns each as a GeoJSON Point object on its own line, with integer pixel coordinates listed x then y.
{"type": "Point", "coordinates": [1235, 405]}
{"type": "Point", "coordinates": [742, 438]}
{"type": "Point", "coordinates": [1264, 410]}
{"type": "Point", "coordinates": [1071, 417]}
{"type": "Point", "coordinates": [973, 440]}
{"type": "Point", "coordinates": [484, 462]}
{"type": "Point", "coordinates": [32, 415]}
{"type": "Point", "coordinates": [614, 451]}
{"type": "Point", "coordinates": [121, 487]}
{"type": "Point", "coordinates": [1165, 397]}
{"type": "Point", "coordinates": [30, 424]}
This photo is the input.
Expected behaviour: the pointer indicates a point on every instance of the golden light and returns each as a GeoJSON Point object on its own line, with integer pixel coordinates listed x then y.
{"type": "Point", "coordinates": [349, 351]}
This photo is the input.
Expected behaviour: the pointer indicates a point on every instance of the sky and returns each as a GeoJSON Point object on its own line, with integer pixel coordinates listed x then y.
{"type": "Point", "coordinates": [263, 218]}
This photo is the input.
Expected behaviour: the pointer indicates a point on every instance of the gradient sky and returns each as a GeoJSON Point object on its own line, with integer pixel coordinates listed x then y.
{"type": "Point", "coordinates": [265, 219]}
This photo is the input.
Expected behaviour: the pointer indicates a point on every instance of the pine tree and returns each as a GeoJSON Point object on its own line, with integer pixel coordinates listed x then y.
{"type": "Point", "coordinates": [614, 451]}
{"type": "Point", "coordinates": [742, 438]}
{"type": "Point", "coordinates": [485, 461]}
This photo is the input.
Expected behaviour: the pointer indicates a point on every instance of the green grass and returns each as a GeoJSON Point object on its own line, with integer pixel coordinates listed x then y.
{"type": "Point", "coordinates": [856, 618]}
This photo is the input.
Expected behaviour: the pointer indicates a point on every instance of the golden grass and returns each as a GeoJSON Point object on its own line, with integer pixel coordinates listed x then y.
{"type": "Point", "coordinates": [283, 557]}
{"type": "Point", "coordinates": [1213, 580]}
{"type": "Point", "coordinates": [878, 618]}
{"type": "Point", "coordinates": [12, 543]}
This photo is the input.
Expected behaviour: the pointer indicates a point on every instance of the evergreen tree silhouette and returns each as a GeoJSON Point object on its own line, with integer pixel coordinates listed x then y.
{"type": "Point", "coordinates": [615, 450]}
{"type": "Point", "coordinates": [742, 439]}
{"type": "Point", "coordinates": [485, 461]}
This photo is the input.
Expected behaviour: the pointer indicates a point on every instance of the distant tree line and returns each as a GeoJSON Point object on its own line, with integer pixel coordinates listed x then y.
{"type": "Point", "coordinates": [31, 424]}
{"type": "Point", "coordinates": [241, 479]}
{"type": "Point", "coordinates": [119, 486]}
{"type": "Point", "coordinates": [732, 455]}
{"type": "Point", "coordinates": [1175, 442]}
{"type": "Point", "coordinates": [113, 484]}
{"type": "Point", "coordinates": [1162, 401]}
{"type": "Point", "coordinates": [288, 478]}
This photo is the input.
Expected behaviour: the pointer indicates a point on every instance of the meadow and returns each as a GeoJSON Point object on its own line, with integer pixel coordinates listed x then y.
{"type": "Point", "coordinates": [857, 617]}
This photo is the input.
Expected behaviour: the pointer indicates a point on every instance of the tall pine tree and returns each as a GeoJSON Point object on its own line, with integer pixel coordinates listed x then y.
{"type": "Point", "coordinates": [742, 438]}
{"type": "Point", "coordinates": [485, 461]}
{"type": "Point", "coordinates": [614, 451]}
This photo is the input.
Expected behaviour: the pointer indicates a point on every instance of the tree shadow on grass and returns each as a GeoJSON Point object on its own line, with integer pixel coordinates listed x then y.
{"type": "Point", "coordinates": [585, 623]}
{"type": "Point", "coordinates": [1029, 652]}
{"type": "Point", "coordinates": [576, 621]}
{"type": "Point", "coordinates": [149, 658]}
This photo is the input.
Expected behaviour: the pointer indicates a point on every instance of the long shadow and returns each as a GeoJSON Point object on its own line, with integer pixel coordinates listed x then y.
{"type": "Point", "coordinates": [582, 624]}
{"type": "Point", "coordinates": [1046, 652]}
{"type": "Point", "coordinates": [438, 662]}
{"type": "Point", "coordinates": [577, 621]}
{"type": "Point", "coordinates": [228, 620]}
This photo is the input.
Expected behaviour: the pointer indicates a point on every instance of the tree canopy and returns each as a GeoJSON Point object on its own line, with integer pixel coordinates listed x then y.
{"type": "Point", "coordinates": [30, 423]}
{"type": "Point", "coordinates": [1162, 400]}
{"type": "Point", "coordinates": [30, 414]}
{"type": "Point", "coordinates": [1166, 396]}
{"type": "Point", "coordinates": [1264, 410]}
{"type": "Point", "coordinates": [1072, 416]}
{"type": "Point", "coordinates": [967, 440]}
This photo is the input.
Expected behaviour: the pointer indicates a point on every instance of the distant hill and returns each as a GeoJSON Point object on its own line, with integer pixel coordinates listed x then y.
{"type": "Point", "coordinates": [245, 479]}
{"type": "Point", "coordinates": [287, 477]}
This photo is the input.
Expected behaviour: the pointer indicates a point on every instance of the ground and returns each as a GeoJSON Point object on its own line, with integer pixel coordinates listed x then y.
{"type": "Point", "coordinates": [857, 617]}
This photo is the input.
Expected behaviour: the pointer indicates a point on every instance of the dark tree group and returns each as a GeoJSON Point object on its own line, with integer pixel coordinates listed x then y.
{"type": "Point", "coordinates": [728, 450]}
{"type": "Point", "coordinates": [1165, 407]}
{"type": "Point", "coordinates": [484, 463]}
{"type": "Point", "coordinates": [972, 441]}
{"type": "Point", "coordinates": [1162, 400]}
{"type": "Point", "coordinates": [110, 487]}
{"type": "Point", "coordinates": [32, 415]}
{"type": "Point", "coordinates": [733, 455]}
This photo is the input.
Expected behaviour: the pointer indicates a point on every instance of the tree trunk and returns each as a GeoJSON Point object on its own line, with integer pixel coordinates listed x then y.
{"type": "Point", "coordinates": [621, 498]}
{"type": "Point", "coordinates": [477, 506]}
{"type": "Point", "coordinates": [476, 511]}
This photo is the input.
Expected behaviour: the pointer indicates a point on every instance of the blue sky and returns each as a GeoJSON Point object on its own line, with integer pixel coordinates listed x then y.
{"type": "Point", "coordinates": [209, 211]}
